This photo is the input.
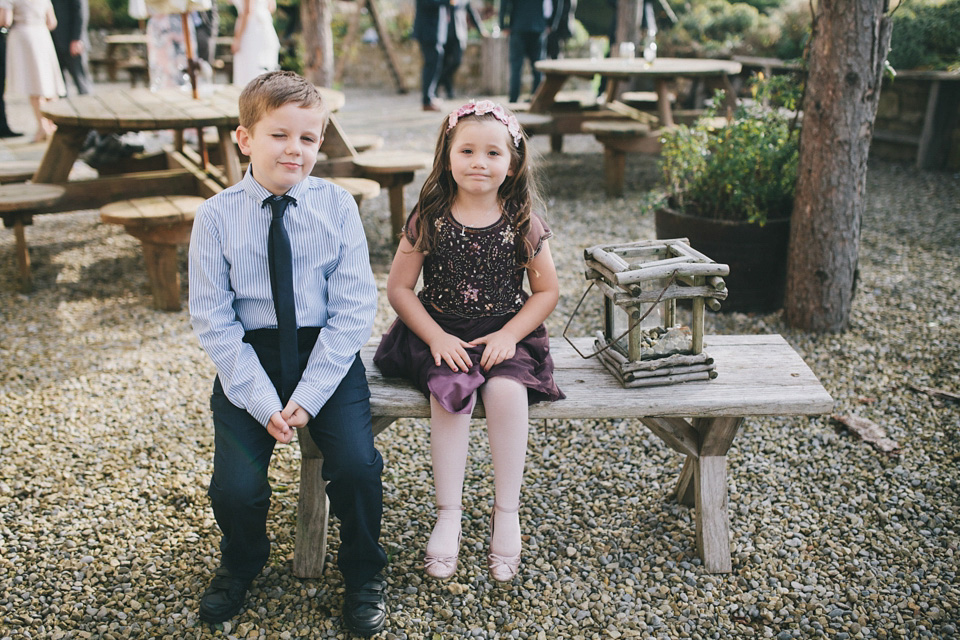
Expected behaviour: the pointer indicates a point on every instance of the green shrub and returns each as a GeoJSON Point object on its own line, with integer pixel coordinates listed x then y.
{"type": "Point", "coordinates": [926, 36]}
{"type": "Point", "coordinates": [745, 171]}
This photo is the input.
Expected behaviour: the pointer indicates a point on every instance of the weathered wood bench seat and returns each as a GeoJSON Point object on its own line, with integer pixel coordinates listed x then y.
{"type": "Point", "coordinates": [19, 202]}
{"type": "Point", "coordinates": [759, 375]}
{"type": "Point", "coordinates": [161, 223]}
{"type": "Point", "coordinates": [393, 170]}
{"type": "Point", "coordinates": [12, 171]}
{"type": "Point", "coordinates": [619, 137]}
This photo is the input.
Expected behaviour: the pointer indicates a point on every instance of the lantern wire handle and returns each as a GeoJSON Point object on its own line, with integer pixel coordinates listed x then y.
{"type": "Point", "coordinates": [673, 278]}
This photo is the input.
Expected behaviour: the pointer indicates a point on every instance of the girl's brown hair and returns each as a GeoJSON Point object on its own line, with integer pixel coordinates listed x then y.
{"type": "Point", "coordinates": [517, 195]}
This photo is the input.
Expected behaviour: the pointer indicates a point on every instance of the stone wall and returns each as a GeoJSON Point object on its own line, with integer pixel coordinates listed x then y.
{"type": "Point", "coordinates": [902, 113]}
{"type": "Point", "coordinates": [368, 68]}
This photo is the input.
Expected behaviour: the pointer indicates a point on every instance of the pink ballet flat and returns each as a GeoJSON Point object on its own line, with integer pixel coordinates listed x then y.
{"type": "Point", "coordinates": [443, 567]}
{"type": "Point", "coordinates": [502, 568]}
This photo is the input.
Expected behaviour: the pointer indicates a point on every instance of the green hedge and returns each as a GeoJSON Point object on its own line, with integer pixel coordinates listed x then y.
{"type": "Point", "coordinates": [926, 36]}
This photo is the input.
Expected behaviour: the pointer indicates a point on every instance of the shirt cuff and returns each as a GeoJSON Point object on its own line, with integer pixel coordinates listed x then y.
{"type": "Point", "coordinates": [309, 402]}
{"type": "Point", "coordinates": [262, 408]}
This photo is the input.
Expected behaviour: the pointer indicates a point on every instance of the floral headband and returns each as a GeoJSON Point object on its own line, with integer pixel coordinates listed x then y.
{"type": "Point", "coordinates": [486, 106]}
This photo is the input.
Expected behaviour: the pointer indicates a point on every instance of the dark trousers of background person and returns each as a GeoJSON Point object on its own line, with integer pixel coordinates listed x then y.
{"type": "Point", "coordinates": [432, 62]}
{"type": "Point", "coordinates": [524, 45]}
{"type": "Point", "coordinates": [554, 44]}
{"type": "Point", "coordinates": [452, 57]}
{"type": "Point", "coordinates": [343, 431]}
{"type": "Point", "coordinates": [207, 25]}
{"type": "Point", "coordinates": [77, 68]}
{"type": "Point", "coordinates": [4, 127]}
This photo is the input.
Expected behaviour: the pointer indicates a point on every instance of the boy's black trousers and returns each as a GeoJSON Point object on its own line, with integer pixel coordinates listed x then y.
{"type": "Point", "coordinates": [343, 431]}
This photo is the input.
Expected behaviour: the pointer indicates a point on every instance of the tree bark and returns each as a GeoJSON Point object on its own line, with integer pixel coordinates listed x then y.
{"type": "Point", "coordinates": [628, 23]}
{"type": "Point", "coordinates": [315, 16]}
{"type": "Point", "coordinates": [850, 42]}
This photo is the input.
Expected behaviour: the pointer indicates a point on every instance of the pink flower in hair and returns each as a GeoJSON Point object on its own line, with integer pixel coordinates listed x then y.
{"type": "Point", "coordinates": [481, 107]}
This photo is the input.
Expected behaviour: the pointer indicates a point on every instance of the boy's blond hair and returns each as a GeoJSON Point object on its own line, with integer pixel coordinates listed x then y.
{"type": "Point", "coordinates": [274, 89]}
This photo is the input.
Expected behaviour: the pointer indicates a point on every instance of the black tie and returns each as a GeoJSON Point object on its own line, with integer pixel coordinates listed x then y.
{"type": "Point", "coordinates": [281, 284]}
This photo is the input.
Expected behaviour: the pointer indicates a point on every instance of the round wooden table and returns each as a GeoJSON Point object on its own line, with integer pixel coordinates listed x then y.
{"type": "Point", "coordinates": [662, 70]}
{"type": "Point", "coordinates": [122, 110]}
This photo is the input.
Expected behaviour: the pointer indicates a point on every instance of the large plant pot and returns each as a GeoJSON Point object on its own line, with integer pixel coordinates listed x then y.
{"type": "Point", "coordinates": [757, 255]}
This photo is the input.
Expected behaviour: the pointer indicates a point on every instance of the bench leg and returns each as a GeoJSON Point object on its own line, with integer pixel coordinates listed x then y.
{"type": "Point", "coordinates": [614, 168]}
{"type": "Point", "coordinates": [556, 142]}
{"type": "Point", "coordinates": [162, 272]}
{"type": "Point", "coordinates": [313, 511]}
{"type": "Point", "coordinates": [23, 256]}
{"type": "Point", "coordinates": [713, 526]}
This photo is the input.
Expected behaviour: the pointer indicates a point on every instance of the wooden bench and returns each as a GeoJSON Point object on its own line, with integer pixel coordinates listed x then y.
{"type": "Point", "coordinates": [393, 170]}
{"type": "Point", "coordinates": [18, 204]}
{"type": "Point", "coordinates": [160, 223]}
{"type": "Point", "coordinates": [360, 188]}
{"type": "Point", "coordinates": [758, 375]}
{"type": "Point", "coordinates": [12, 171]}
{"type": "Point", "coordinates": [365, 142]}
{"type": "Point", "coordinates": [618, 138]}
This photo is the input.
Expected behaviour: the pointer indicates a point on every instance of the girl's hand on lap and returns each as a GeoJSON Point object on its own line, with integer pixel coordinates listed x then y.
{"type": "Point", "coordinates": [453, 351]}
{"type": "Point", "coordinates": [500, 346]}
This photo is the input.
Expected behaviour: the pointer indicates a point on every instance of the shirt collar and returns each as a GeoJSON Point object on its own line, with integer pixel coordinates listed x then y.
{"type": "Point", "coordinates": [259, 193]}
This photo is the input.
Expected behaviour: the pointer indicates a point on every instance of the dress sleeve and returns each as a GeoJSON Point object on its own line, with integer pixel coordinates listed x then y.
{"type": "Point", "coordinates": [538, 233]}
{"type": "Point", "coordinates": [410, 227]}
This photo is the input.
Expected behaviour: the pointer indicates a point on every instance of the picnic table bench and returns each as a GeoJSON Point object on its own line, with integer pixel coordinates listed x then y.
{"type": "Point", "coordinates": [759, 375]}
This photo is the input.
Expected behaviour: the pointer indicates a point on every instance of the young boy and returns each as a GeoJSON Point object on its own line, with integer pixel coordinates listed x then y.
{"type": "Point", "coordinates": [287, 359]}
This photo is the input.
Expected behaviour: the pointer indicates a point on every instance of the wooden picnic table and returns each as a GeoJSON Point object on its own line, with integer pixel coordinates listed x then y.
{"type": "Point", "coordinates": [123, 110]}
{"type": "Point", "coordinates": [758, 375]}
{"type": "Point", "coordinates": [662, 70]}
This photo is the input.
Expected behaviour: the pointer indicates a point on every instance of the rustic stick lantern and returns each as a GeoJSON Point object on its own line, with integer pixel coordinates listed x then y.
{"type": "Point", "coordinates": [642, 343]}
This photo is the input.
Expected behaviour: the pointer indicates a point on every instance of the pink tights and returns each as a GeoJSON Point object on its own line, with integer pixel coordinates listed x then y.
{"type": "Point", "coordinates": [505, 402]}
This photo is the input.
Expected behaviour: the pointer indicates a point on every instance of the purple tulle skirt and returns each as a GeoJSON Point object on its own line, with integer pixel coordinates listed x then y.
{"type": "Point", "coordinates": [402, 354]}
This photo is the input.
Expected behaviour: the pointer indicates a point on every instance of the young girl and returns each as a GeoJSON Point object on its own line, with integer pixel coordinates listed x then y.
{"type": "Point", "coordinates": [472, 327]}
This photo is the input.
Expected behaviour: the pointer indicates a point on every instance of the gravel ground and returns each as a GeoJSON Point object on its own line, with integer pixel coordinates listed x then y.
{"type": "Point", "coordinates": [106, 449]}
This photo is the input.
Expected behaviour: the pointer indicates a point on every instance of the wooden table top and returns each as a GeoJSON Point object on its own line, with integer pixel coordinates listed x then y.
{"type": "Point", "coordinates": [121, 110]}
{"type": "Point", "coordinates": [629, 67]}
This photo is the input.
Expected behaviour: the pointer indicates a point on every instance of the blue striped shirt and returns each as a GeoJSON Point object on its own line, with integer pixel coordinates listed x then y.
{"type": "Point", "coordinates": [230, 288]}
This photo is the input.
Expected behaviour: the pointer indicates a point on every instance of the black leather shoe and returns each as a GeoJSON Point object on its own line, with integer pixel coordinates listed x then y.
{"type": "Point", "coordinates": [365, 609]}
{"type": "Point", "coordinates": [224, 598]}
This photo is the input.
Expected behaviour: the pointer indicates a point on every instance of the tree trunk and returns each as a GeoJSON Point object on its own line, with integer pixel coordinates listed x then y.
{"type": "Point", "coordinates": [315, 16]}
{"type": "Point", "coordinates": [847, 53]}
{"type": "Point", "coordinates": [628, 23]}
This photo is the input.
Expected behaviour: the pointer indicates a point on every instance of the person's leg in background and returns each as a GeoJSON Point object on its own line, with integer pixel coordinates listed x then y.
{"type": "Point", "coordinates": [452, 57]}
{"type": "Point", "coordinates": [5, 131]}
{"type": "Point", "coordinates": [432, 59]}
{"type": "Point", "coordinates": [517, 49]}
{"type": "Point", "coordinates": [534, 46]}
